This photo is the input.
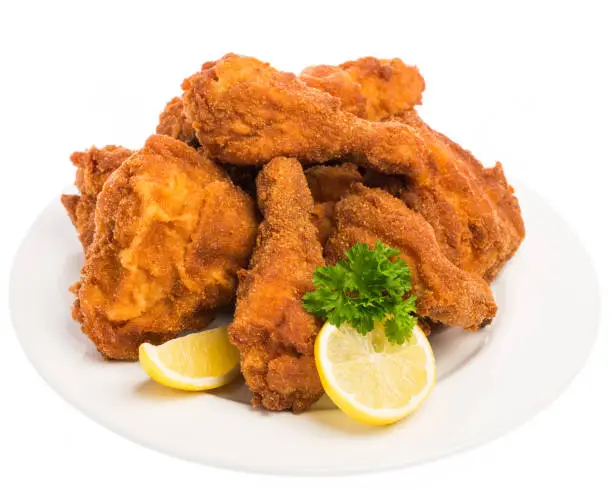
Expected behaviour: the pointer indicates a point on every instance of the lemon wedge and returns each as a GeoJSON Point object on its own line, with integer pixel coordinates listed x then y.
{"type": "Point", "coordinates": [195, 362]}
{"type": "Point", "coordinates": [371, 379]}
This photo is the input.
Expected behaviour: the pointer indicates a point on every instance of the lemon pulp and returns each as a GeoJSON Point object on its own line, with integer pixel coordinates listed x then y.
{"type": "Point", "coordinates": [195, 362]}
{"type": "Point", "coordinates": [372, 379]}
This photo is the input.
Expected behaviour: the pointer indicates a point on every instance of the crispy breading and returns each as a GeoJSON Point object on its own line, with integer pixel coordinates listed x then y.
{"type": "Point", "coordinates": [171, 233]}
{"type": "Point", "coordinates": [93, 168]}
{"type": "Point", "coordinates": [273, 332]}
{"type": "Point", "coordinates": [445, 293]}
{"type": "Point", "coordinates": [246, 112]}
{"type": "Point", "coordinates": [472, 209]}
{"type": "Point", "coordinates": [369, 87]}
{"type": "Point", "coordinates": [173, 123]}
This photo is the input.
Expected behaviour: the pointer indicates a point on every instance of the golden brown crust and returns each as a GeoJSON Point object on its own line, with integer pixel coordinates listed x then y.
{"type": "Point", "coordinates": [472, 209]}
{"type": "Point", "coordinates": [81, 210]}
{"type": "Point", "coordinates": [495, 185]}
{"type": "Point", "coordinates": [94, 166]}
{"type": "Point", "coordinates": [245, 112]}
{"type": "Point", "coordinates": [173, 123]}
{"type": "Point", "coordinates": [445, 293]}
{"type": "Point", "coordinates": [274, 334]}
{"type": "Point", "coordinates": [171, 233]}
{"type": "Point", "coordinates": [368, 87]}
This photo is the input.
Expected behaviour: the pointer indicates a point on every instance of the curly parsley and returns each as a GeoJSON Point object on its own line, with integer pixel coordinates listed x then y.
{"type": "Point", "coordinates": [366, 288]}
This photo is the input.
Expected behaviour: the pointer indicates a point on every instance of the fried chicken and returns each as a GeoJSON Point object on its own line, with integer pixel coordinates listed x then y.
{"type": "Point", "coordinates": [168, 231]}
{"type": "Point", "coordinates": [472, 209]}
{"type": "Point", "coordinates": [445, 293]}
{"type": "Point", "coordinates": [245, 112]}
{"type": "Point", "coordinates": [370, 88]}
{"type": "Point", "coordinates": [93, 168]}
{"type": "Point", "coordinates": [274, 334]}
{"type": "Point", "coordinates": [171, 233]}
{"type": "Point", "coordinates": [173, 123]}
{"type": "Point", "coordinates": [453, 204]}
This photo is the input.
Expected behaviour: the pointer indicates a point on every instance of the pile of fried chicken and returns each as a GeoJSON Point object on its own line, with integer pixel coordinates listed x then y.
{"type": "Point", "coordinates": [257, 177]}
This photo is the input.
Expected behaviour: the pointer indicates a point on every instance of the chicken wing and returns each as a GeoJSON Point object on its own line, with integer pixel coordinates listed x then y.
{"type": "Point", "coordinates": [368, 87]}
{"type": "Point", "coordinates": [274, 334]}
{"type": "Point", "coordinates": [93, 168]}
{"type": "Point", "coordinates": [171, 233]}
{"type": "Point", "coordinates": [445, 293]}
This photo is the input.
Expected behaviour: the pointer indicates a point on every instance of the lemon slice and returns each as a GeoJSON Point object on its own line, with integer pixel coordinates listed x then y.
{"type": "Point", "coordinates": [371, 379]}
{"type": "Point", "coordinates": [195, 362]}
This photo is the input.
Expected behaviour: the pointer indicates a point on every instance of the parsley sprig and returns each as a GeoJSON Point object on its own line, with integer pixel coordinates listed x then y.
{"type": "Point", "coordinates": [363, 289]}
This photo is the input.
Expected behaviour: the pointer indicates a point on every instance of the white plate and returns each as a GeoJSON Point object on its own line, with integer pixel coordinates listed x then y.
{"type": "Point", "coordinates": [488, 382]}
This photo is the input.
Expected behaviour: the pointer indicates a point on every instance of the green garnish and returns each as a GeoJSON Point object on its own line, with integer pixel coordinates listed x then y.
{"type": "Point", "coordinates": [364, 289]}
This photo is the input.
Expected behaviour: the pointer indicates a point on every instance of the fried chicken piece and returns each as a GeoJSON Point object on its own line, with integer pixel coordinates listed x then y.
{"type": "Point", "coordinates": [455, 204]}
{"type": "Point", "coordinates": [273, 332]}
{"type": "Point", "coordinates": [370, 88]}
{"type": "Point", "coordinates": [245, 112]}
{"type": "Point", "coordinates": [171, 233]}
{"type": "Point", "coordinates": [173, 123]}
{"type": "Point", "coordinates": [93, 168]}
{"type": "Point", "coordinates": [445, 293]}
{"type": "Point", "coordinates": [494, 183]}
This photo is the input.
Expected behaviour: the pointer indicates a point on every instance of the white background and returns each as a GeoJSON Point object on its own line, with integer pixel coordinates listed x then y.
{"type": "Point", "coordinates": [527, 84]}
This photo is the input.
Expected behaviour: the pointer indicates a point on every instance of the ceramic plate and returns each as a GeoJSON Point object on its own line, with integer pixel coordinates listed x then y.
{"type": "Point", "coordinates": [488, 382]}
